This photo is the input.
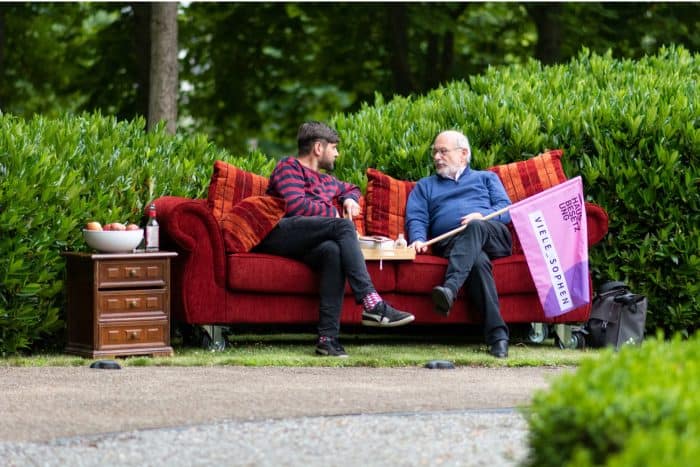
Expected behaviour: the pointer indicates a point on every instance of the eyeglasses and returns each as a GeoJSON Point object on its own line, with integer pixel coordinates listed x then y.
{"type": "Point", "coordinates": [442, 151]}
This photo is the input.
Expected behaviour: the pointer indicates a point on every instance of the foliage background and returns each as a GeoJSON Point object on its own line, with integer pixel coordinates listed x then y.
{"type": "Point", "coordinates": [629, 128]}
{"type": "Point", "coordinates": [389, 80]}
{"type": "Point", "coordinates": [250, 72]}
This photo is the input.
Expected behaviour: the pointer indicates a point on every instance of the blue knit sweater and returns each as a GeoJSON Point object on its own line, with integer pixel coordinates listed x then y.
{"type": "Point", "coordinates": [437, 204]}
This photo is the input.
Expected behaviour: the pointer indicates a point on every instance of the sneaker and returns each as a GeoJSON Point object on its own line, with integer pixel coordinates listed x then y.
{"type": "Point", "coordinates": [384, 315]}
{"type": "Point", "coordinates": [442, 300]}
{"type": "Point", "coordinates": [330, 347]}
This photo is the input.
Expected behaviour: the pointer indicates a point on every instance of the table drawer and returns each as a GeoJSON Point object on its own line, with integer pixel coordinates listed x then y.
{"type": "Point", "coordinates": [130, 334]}
{"type": "Point", "coordinates": [131, 302]}
{"type": "Point", "coordinates": [132, 273]}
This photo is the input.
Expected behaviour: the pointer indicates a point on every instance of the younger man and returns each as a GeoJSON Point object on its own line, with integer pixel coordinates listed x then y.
{"type": "Point", "coordinates": [314, 232]}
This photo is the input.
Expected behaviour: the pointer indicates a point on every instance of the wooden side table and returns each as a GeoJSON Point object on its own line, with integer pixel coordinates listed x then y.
{"type": "Point", "coordinates": [118, 304]}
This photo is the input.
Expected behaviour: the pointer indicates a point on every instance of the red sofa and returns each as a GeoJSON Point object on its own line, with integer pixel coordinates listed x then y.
{"type": "Point", "coordinates": [214, 286]}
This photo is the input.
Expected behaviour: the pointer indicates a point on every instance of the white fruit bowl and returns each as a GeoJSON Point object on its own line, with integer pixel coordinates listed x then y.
{"type": "Point", "coordinates": [113, 241]}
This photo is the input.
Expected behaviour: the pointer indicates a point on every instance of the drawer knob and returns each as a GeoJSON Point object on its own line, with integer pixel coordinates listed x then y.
{"type": "Point", "coordinates": [132, 272]}
{"type": "Point", "coordinates": [132, 303]}
{"type": "Point", "coordinates": [133, 335]}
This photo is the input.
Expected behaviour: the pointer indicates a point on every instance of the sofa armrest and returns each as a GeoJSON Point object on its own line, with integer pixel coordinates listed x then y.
{"type": "Point", "coordinates": [597, 222]}
{"type": "Point", "coordinates": [189, 228]}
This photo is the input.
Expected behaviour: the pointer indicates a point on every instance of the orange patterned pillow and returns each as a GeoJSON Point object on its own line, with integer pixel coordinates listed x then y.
{"type": "Point", "coordinates": [386, 204]}
{"type": "Point", "coordinates": [526, 178]}
{"type": "Point", "coordinates": [249, 221]}
{"type": "Point", "coordinates": [359, 220]}
{"type": "Point", "coordinates": [229, 185]}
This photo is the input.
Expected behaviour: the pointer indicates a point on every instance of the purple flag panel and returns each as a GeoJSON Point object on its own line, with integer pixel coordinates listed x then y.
{"type": "Point", "coordinates": [552, 229]}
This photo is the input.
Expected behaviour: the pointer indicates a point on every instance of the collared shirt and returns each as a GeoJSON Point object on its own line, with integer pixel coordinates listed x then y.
{"type": "Point", "coordinates": [308, 192]}
{"type": "Point", "coordinates": [459, 173]}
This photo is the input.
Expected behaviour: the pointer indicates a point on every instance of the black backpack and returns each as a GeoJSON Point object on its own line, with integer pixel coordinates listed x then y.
{"type": "Point", "coordinates": [617, 317]}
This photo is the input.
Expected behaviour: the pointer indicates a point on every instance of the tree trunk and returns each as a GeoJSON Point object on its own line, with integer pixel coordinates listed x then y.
{"type": "Point", "coordinates": [162, 101]}
{"type": "Point", "coordinates": [398, 47]}
{"type": "Point", "coordinates": [2, 51]}
{"type": "Point", "coordinates": [431, 76]}
{"type": "Point", "coordinates": [547, 18]}
{"type": "Point", "coordinates": [142, 51]}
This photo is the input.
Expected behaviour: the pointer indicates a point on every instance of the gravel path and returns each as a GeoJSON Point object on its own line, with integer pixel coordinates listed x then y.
{"type": "Point", "coordinates": [472, 438]}
{"type": "Point", "coordinates": [266, 416]}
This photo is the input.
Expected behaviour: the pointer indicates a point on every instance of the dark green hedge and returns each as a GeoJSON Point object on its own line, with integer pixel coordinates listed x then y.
{"type": "Point", "coordinates": [629, 128]}
{"type": "Point", "coordinates": [636, 407]}
{"type": "Point", "coordinates": [57, 174]}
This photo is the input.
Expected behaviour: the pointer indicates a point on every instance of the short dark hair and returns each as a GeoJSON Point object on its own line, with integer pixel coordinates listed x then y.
{"type": "Point", "coordinates": [310, 132]}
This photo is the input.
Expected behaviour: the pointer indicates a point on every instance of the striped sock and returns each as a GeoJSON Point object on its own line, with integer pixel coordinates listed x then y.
{"type": "Point", "coordinates": [370, 301]}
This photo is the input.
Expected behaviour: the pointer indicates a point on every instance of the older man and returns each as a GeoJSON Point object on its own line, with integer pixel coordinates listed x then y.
{"type": "Point", "coordinates": [456, 195]}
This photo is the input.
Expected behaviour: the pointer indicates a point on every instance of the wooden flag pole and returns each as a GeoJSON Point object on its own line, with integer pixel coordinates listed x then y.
{"type": "Point", "coordinates": [462, 227]}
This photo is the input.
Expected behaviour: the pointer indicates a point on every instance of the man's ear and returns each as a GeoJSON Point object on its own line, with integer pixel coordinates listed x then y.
{"type": "Point", "coordinates": [317, 148]}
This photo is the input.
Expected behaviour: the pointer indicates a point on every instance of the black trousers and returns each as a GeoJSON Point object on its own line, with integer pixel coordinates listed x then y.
{"type": "Point", "coordinates": [469, 255]}
{"type": "Point", "coordinates": [329, 246]}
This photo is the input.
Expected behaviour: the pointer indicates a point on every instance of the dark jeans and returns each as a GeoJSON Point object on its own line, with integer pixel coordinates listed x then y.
{"type": "Point", "coordinates": [329, 246]}
{"type": "Point", "coordinates": [469, 256]}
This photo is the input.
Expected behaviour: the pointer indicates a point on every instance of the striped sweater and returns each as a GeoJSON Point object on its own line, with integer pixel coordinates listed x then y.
{"type": "Point", "coordinates": [307, 192]}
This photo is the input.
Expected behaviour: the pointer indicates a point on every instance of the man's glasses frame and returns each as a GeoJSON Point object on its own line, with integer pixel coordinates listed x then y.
{"type": "Point", "coordinates": [443, 151]}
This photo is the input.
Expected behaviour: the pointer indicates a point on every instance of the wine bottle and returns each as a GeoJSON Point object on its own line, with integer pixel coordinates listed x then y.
{"type": "Point", "coordinates": [152, 233]}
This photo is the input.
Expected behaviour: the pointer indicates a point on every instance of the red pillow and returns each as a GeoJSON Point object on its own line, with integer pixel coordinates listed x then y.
{"type": "Point", "coordinates": [249, 221]}
{"type": "Point", "coordinates": [526, 178]}
{"type": "Point", "coordinates": [386, 204]}
{"type": "Point", "coordinates": [229, 185]}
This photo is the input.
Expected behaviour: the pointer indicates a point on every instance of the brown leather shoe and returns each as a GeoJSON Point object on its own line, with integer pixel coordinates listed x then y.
{"type": "Point", "coordinates": [499, 349]}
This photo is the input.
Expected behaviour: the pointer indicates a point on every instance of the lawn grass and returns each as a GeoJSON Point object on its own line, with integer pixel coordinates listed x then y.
{"type": "Point", "coordinates": [365, 350]}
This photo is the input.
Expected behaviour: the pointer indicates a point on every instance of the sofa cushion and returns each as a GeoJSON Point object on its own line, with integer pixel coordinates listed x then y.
{"type": "Point", "coordinates": [426, 271]}
{"type": "Point", "coordinates": [229, 185]}
{"type": "Point", "coordinates": [263, 273]}
{"type": "Point", "coordinates": [386, 204]}
{"type": "Point", "coordinates": [249, 221]}
{"type": "Point", "coordinates": [525, 178]}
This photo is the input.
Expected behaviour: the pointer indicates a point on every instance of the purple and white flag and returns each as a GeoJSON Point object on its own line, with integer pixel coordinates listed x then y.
{"type": "Point", "coordinates": [552, 229]}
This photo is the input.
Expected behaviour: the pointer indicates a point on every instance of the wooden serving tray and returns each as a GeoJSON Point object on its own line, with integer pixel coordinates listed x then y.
{"type": "Point", "coordinates": [386, 254]}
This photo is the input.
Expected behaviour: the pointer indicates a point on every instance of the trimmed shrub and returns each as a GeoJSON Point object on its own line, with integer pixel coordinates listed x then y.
{"type": "Point", "coordinates": [635, 407]}
{"type": "Point", "coordinates": [55, 175]}
{"type": "Point", "coordinates": [629, 128]}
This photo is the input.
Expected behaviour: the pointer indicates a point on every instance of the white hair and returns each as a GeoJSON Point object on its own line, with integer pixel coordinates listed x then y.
{"type": "Point", "coordinates": [463, 142]}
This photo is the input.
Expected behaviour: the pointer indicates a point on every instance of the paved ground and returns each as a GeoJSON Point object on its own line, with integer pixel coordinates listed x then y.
{"type": "Point", "coordinates": [265, 416]}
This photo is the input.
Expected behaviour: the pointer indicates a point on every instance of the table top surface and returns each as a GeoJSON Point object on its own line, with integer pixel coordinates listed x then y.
{"type": "Point", "coordinates": [384, 254]}
{"type": "Point", "coordinates": [139, 254]}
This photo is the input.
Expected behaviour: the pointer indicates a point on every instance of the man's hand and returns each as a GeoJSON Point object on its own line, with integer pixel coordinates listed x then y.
{"type": "Point", "coordinates": [470, 217]}
{"type": "Point", "coordinates": [420, 247]}
{"type": "Point", "coordinates": [350, 208]}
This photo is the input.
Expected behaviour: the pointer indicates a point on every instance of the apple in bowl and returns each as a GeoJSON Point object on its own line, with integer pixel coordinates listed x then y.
{"type": "Point", "coordinates": [115, 226]}
{"type": "Point", "coordinates": [114, 237]}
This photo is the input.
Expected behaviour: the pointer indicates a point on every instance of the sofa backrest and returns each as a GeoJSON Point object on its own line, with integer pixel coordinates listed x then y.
{"type": "Point", "coordinates": [230, 185]}
{"type": "Point", "coordinates": [383, 207]}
